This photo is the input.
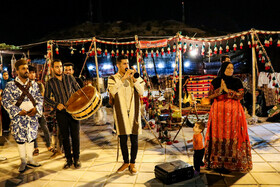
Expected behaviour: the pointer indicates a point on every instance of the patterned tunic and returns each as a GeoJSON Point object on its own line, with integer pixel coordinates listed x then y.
{"type": "Point", "coordinates": [24, 128]}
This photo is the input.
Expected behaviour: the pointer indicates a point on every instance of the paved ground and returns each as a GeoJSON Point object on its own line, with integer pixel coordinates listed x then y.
{"type": "Point", "coordinates": [99, 151]}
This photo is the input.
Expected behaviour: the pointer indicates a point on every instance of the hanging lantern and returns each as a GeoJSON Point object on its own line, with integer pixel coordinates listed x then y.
{"type": "Point", "coordinates": [56, 50]}
{"type": "Point", "coordinates": [215, 49]}
{"type": "Point", "coordinates": [267, 66]}
{"type": "Point", "coordinates": [249, 44]}
{"type": "Point", "coordinates": [266, 42]}
{"type": "Point", "coordinates": [71, 50]}
{"type": "Point", "coordinates": [203, 49]}
{"type": "Point", "coordinates": [112, 53]}
{"type": "Point", "coordinates": [260, 54]}
{"type": "Point", "coordinates": [91, 53]}
{"type": "Point", "coordinates": [180, 45]}
{"type": "Point", "coordinates": [210, 51]}
{"type": "Point", "coordinates": [83, 49]}
{"type": "Point", "coordinates": [106, 52]}
{"type": "Point", "coordinates": [220, 49]}
{"type": "Point", "coordinates": [168, 49]}
{"type": "Point", "coordinates": [185, 47]}
{"type": "Point", "coordinates": [257, 47]}
{"type": "Point", "coordinates": [152, 53]}
{"type": "Point", "coordinates": [241, 45]}
{"type": "Point", "coordinates": [234, 46]}
{"type": "Point", "coordinates": [99, 51]}
{"type": "Point", "coordinates": [174, 48]}
{"type": "Point", "coordinates": [263, 59]}
{"type": "Point", "coordinates": [227, 48]}
{"type": "Point", "coordinates": [191, 47]}
{"type": "Point", "coordinates": [270, 41]}
{"type": "Point", "coordinates": [131, 52]}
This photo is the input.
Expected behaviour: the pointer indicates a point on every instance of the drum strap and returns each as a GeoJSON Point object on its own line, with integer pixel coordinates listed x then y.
{"type": "Point", "coordinates": [25, 92]}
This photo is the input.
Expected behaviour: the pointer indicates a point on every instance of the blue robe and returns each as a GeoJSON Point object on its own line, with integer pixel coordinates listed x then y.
{"type": "Point", "coordinates": [24, 128]}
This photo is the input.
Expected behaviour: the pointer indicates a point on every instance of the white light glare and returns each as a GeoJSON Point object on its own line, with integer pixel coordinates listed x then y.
{"type": "Point", "coordinates": [193, 52]}
{"type": "Point", "coordinates": [107, 66]}
{"type": "Point", "coordinates": [90, 67]}
{"type": "Point", "coordinates": [160, 65]}
{"type": "Point", "coordinates": [187, 64]}
{"type": "Point", "coordinates": [150, 65]}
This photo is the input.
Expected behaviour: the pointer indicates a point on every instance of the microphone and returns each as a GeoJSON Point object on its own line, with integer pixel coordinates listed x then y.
{"type": "Point", "coordinates": [135, 75]}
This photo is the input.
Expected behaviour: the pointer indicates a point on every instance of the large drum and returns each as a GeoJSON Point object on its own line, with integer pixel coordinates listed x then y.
{"type": "Point", "coordinates": [84, 103]}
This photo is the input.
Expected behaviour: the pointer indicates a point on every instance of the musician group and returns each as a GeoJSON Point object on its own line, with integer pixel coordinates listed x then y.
{"type": "Point", "coordinates": [23, 100]}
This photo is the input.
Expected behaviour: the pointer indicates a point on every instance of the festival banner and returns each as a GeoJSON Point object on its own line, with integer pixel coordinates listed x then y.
{"type": "Point", "coordinates": [152, 44]}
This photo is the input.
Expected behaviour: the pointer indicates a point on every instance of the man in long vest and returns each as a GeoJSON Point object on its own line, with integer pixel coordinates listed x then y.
{"type": "Point", "coordinates": [126, 91]}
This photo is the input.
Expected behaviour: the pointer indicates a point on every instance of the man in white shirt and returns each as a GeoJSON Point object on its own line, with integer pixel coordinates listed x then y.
{"type": "Point", "coordinates": [126, 88]}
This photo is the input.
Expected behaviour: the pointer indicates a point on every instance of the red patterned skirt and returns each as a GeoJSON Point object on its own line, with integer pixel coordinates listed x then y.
{"type": "Point", "coordinates": [227, 143]}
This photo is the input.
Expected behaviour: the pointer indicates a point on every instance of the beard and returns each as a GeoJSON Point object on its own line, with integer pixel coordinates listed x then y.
{"type": "Point", "coordinates": [57, 74]}
{"type": "Point", "coordinates": [24, 75]}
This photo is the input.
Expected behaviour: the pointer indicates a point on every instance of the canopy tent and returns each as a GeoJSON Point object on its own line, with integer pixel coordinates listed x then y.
{"type": "Point", "coordinates": [139, 46]}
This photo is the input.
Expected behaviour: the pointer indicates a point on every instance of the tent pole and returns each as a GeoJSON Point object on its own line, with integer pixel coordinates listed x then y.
{"type": "Point", "coordinates": [137, 57]}
{"type": "Point", "coordinates": [254, 59]}
{"type": "Point", "coordinates": [96, 64]}
{"type": "Point", "coordinates": [180, 75]}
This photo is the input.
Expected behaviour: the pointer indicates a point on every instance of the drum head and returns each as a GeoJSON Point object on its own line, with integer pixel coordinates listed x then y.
{"type": "Point", "coordinates": [81, 99]}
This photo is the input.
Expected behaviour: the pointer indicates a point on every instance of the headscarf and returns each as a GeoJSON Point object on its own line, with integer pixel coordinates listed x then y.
{"type": "Point", "coordinates": [231, 82]}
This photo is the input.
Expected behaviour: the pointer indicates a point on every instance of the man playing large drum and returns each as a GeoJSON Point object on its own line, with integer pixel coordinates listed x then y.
{"type": "Point", "coordinates": [62, 87]}
{"type": "Point", "coordinates": [126, 88]}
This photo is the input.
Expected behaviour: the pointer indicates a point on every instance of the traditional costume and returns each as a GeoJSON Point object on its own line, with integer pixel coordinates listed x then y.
{"type": "Point", "coordinates": [127, 115]}
{"type": "Point", "coordinates": [19, 96]}
{"type": "Point", "coordinates": [227, 143]}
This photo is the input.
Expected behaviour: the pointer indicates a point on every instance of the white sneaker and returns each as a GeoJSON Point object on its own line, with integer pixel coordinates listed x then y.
{"type": "Point", "coordinates": [2, 158]}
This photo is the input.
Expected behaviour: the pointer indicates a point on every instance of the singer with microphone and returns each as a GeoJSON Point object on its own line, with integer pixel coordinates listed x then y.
{"type": "Point", "coordinates": [126, 87]}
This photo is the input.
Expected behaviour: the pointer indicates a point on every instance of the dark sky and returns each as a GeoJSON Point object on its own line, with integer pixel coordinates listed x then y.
{"type": "Point", "coordinates": [27, 21]}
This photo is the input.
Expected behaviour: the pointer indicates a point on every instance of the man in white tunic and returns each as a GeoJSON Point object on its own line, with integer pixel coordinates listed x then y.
{"type": "Point", "coordinates": [126, 88]}
{"type": "Point", "coordinates": [24, 103]}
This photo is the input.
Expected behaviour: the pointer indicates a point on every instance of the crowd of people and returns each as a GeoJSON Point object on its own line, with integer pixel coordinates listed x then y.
{"type": "Point", "coordinates": [226, 146]}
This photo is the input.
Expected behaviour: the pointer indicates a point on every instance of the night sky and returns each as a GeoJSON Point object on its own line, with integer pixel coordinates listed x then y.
{"type": "Point", "coordinates": [25, 22]}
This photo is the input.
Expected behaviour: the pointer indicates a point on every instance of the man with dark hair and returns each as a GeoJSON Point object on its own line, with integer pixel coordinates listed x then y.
{"type": "Point", "coordinates": [69, 70]}
{"type": "Point", "coordinates": [126, 91]}
{"type": "Point", "coordinates": [42, 120]}
{"type": "Point", "coordinates": [24, 102]}
{"type": "Point", "coordinates": [62, 86]}
{"type": "Point", "coordinates": [5, 116]}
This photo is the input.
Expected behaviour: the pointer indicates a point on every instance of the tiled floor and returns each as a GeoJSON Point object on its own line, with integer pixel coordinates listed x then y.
{"type": "Point", "coordinates": [99, 152]}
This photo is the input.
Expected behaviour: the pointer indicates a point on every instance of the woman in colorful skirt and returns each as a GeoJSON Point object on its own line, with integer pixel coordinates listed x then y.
{"type": "Point", "coordinates": [227, 144]}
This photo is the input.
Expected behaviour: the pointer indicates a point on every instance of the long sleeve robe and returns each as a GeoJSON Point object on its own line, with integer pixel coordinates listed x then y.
{"type": "Point", "coordinates": [126, 104]}
{"type": "Point", "coordinates": [24, 128]}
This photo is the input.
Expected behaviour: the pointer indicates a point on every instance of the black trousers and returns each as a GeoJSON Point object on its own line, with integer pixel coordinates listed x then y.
{"type": "Point", "coordinates": [124, 149]}
{"type": "Point", "coordinates": [69, 127]}
{"type": "Point", "coordinates": [197, 159]}
{"type": "Point", "coordinates": [5, 119]}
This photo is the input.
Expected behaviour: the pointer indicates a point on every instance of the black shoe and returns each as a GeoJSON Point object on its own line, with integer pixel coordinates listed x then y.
{"type": "Point", "coordinates": [77, 164]}
{"type": "Point", "coordinates": [67, 165]}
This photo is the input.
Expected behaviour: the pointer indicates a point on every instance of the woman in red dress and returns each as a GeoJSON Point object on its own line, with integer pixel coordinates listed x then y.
{"type": "Point", "coordinates": [227, 144]}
